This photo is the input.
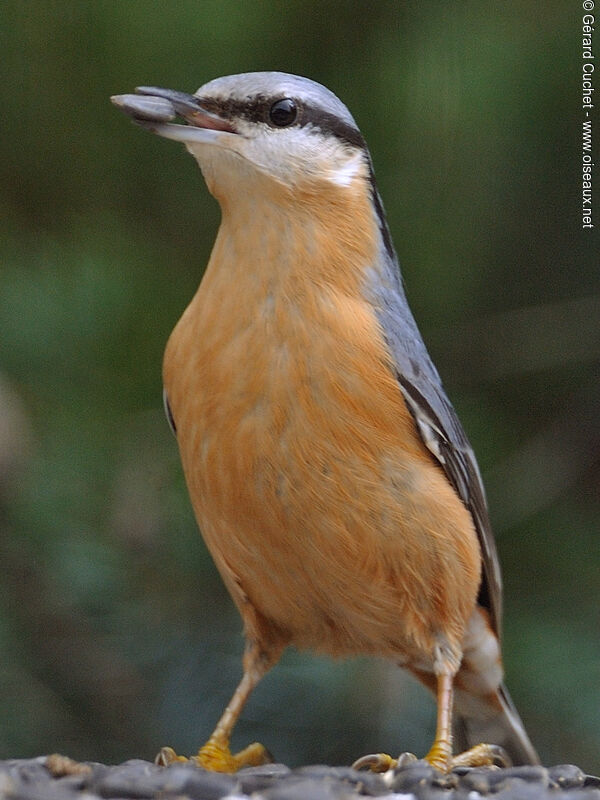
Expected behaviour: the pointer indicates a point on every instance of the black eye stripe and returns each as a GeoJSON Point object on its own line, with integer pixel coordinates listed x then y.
{"type": "Point", "coordinates": [256, 109]}
{"type": "Point", "coordinates": [327, 122]}
{"type": "Point", "coordinates": [253, 109]}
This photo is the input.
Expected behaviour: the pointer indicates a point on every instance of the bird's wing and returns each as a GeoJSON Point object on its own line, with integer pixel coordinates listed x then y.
{"type": "Point", "coordinates": [434, 415]}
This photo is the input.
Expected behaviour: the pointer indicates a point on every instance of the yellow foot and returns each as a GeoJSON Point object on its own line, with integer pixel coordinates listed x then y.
{"type": "Point", "coordinates": [482, 755]}
{"type": "Point", "coordinates": [218, 757]}
{"type": "Point", "coordinates": [440, 757]}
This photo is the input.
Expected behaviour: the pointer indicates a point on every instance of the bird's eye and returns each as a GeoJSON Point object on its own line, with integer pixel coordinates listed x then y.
{"type": "Point", "coordinates": [283, 113]}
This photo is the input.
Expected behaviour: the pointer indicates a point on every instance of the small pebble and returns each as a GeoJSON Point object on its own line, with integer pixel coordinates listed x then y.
{"type": "Point", "coordinates": [580, 794]}
{"type": "Point", "coordinates": [369, 783]}
{"type": "Point", "coordinates": [408, 778]}
{"type": "Point", "coordinates": [566, 776]}
{"type": "Point", "coordinates": [29, 779]}
{"type": "Point", "coordinates": [198, 784]}
{"type": "Point", "coordinates": [519, 789]}
{"type": "Point", "coordinates": [307, 789]}
{"type": "Point", "coordinates": [475, 780]}
{"type": "Point", "coordinates": [406, 759]}
{"type": "Point", "coordinates": [449, 781]}
{"type": "Point", "coordinates": [528, 774]}
{"type": "Point", "coordinates": [59, 766]}
{"type": "Point", "coordinates": [256, 779]}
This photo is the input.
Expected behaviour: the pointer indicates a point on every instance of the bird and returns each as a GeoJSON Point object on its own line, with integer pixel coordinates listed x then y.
{"type": "Point", "coordinates": [330, 477]}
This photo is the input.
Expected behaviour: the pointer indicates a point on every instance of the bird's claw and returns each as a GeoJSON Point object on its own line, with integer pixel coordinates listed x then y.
{"type": "Point", "coordinates": [166, 756]}
{"type": "Point", "coordinates": [217, 757]}
{"type": "Point", "coordinates": [376, 762]}
{"type": "Point", "coordinates": [439, 757]}
{"type": "Point", "coordinates": [482, 755]}
{"type": "Point", "coordinates": [381, 762]}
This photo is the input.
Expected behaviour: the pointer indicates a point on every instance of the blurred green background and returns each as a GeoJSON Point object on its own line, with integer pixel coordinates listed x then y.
{"type": "Point", "coordinates": [116, 635]}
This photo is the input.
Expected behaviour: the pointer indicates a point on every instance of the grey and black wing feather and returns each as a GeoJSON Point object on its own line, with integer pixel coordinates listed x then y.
{"type": "Point", "coordinates": [434, 415]}
{"type": "Point", "coordinates": [445, 438]}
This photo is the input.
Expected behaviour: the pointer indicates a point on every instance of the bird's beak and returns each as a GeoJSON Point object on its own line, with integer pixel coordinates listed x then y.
{"type": "Point", "coordinates": [154, 108]}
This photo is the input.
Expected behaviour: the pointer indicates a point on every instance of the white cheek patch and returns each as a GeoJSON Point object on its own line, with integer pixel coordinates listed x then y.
{"type": "Point", "coordinates": [345, 175]}
{"type": "Point", "coordinates": [289, 155]}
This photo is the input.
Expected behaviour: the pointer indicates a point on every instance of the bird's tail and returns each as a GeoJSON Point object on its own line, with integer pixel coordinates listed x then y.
{"type": "Point", "coordinates": [483, 710]}
{"type": "Point", "coordinates": [492, 719]}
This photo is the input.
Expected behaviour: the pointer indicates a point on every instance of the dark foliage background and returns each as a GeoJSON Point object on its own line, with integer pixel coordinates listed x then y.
{"type": "Point", "coordinates": [116, 635]}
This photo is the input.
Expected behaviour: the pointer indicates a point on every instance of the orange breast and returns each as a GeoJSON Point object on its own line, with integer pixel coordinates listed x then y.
{"type": "Point", "coordinates": [320, 504]}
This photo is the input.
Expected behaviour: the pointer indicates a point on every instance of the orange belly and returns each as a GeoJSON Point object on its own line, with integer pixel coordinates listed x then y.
{"type": "Point", "coordinates": [321, 507]}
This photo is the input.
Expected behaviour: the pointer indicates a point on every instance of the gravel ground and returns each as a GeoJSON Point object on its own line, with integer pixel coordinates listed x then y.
{"type": "Point", "coordinates": [59, 778]}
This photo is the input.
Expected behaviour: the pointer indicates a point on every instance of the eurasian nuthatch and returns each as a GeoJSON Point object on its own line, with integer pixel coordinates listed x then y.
{"type": "Point", "coordinates": [329, 474]}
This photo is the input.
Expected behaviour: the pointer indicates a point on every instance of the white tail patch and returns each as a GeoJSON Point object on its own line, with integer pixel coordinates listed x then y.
{"type": "Point", "coordinates": [481, 669]}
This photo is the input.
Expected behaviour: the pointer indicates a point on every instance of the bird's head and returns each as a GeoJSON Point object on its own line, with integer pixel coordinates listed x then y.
{"type": "Point", "coordinates": [258, 126]}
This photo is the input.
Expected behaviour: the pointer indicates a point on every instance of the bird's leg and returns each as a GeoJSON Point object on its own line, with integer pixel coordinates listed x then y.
{"type": "Point", "coordinates": [440, 756]}
{"type": "Point", "coordinates": [215, 755]}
